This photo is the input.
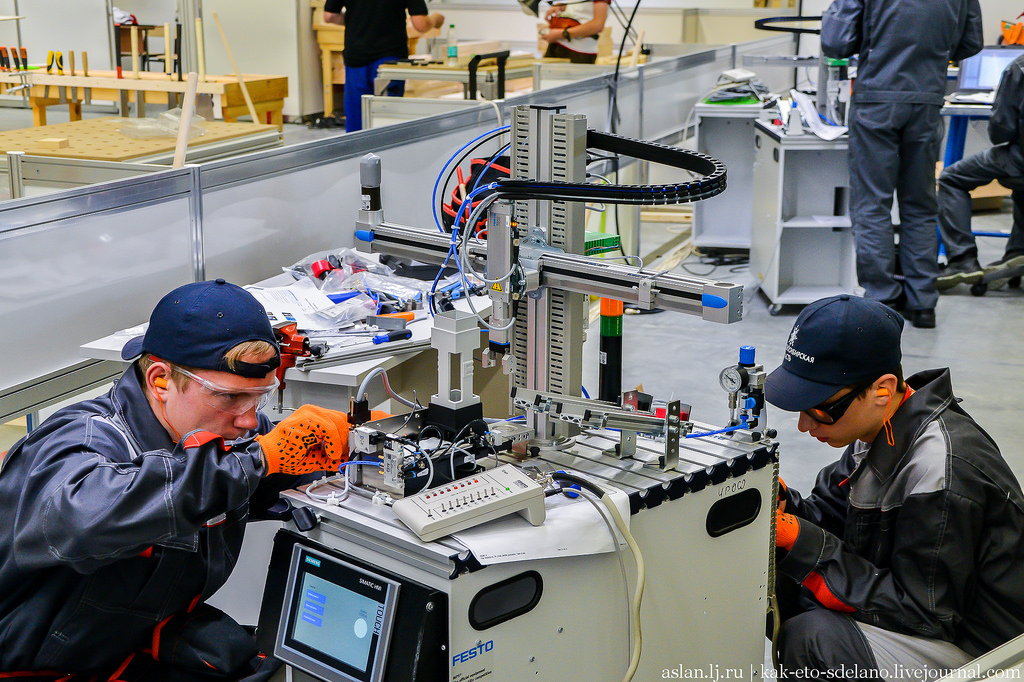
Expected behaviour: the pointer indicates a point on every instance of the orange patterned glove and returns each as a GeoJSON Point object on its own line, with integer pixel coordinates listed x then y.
{"type": "Point", "coordinates": [787, 528]}
{"type": "Point", "coordinates": [310, 439]}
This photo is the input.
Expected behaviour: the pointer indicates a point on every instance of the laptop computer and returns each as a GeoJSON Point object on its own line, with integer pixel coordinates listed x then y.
{"type": "Point", "coordinates": [980, 74]}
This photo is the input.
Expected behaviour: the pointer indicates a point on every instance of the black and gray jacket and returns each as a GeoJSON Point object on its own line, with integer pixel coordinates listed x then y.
{"type": "Point", "coordinates": [1007, 121]}
{"type": "Point", "coordinates": [904, 45]}
{"type": "Point", "coordinates": [110, 528]}
{"type": "Point", "coordinates": [925, 538]}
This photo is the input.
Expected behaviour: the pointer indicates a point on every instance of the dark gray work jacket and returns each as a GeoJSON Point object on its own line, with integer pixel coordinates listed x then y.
{"type": "Point", "coordinates": [1007, 122]}
{"type": "Point", "coordinates": [925, 537]}
{"type": "Point", "coordinates": [109, 528]}
{"type": "Point", "coordinates": [904, 45]}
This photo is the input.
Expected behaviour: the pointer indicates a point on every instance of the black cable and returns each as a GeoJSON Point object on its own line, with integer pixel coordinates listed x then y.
{"type": "Point", "coordinates": [576, 480]}
{"type": "Point", "coordinates": [458, 436]}
{"type": "Point", "coordinates": [615, 210]}
{"type": "Point", "coordinates": [618, 63]}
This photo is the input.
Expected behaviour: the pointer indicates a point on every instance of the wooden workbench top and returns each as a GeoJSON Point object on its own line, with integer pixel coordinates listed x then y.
{"type": "Point", "coordinates": [147, 80]}
{"type": "Point", "coordinates": [100, 139]}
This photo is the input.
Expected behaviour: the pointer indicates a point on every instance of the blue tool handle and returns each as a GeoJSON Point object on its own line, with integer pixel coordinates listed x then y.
{"type": "Point", "coordinates": [393, 335]}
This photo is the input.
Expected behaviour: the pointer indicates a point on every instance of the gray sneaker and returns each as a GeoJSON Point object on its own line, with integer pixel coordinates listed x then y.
{"type": "Point", "coordinates": [1010, 266]}
{"type": "Point", "coordinates": [960, 271]}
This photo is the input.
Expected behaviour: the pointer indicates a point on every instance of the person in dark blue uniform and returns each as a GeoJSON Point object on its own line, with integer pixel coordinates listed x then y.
{"type": "Point", "coordinates": [895, 133]}
{"type": "Point", "coordinates": [1005, 159]}
{"type": "Point", "coordinates": [125, 513]}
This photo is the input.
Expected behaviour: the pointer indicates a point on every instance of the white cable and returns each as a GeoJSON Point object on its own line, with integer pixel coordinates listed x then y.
{"type": "Point", "coordinates": [594, 500]}
{"type": "Point", "coordinates": [627, 257]}
{"type": "Point", "coordinates": [497, 111]}
{"type": "Point", "coordinates": [640, 580]}
{"type": "Point", "coordinates": [455, 449]}
{"type": "Point", "coordinates": [329, 480]}
{"type": "Point", "coordinates": [361, 391]}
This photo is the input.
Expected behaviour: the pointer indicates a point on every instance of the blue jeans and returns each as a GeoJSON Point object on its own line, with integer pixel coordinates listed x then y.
{"type": "Point", "coordinates": [359, 82]}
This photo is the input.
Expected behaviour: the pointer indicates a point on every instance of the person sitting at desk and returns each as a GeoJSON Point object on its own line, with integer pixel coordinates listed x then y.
{"type": "Point", "coordinates": [126, 512]}
{"type": "Point", "coordinates": [1005, 159]}
{"type": "Point", "coordinates": [374, 34]}
{"type": "Point", "coordinates": [574, 28]}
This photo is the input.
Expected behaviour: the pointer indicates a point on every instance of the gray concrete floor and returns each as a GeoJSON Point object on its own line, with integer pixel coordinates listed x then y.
{"type": "Point", "coordinates": [674, 355]}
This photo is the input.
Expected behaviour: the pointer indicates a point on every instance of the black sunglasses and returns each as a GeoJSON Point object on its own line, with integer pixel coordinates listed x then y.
{"type": "Point", "coordinates": [830, 413]}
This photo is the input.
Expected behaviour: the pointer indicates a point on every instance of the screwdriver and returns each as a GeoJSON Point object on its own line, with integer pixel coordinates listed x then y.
{"type": "Point", "coordinates": [393, 335]}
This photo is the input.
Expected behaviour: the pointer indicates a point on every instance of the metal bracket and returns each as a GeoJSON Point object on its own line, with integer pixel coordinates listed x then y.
{"type": "Point", "coordinates": [646, 293]}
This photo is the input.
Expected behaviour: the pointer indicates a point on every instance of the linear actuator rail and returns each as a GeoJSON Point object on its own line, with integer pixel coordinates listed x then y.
{"type": "Point", "coordinates": [713, 301]}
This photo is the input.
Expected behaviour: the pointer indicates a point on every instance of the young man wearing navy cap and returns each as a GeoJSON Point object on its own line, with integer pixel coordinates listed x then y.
{"type": "Point", "coordinates": [906, 555]}
{"type": "Point", "coordinates": [127, 512]}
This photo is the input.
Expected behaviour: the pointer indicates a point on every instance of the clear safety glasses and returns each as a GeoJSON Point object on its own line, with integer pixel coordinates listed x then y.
{"type": "Point", "coordinates": [236, 401]}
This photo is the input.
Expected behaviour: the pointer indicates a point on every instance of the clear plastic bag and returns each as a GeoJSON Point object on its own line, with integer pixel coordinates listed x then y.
{"type": "Point", "coordinates": [348, 260]}
{"type": "Point", "coordinates": [351, 310]}
{"type": "Point", "coordinates": [400, 288]}
{"type": "Point", "coordinates": [164, 125]}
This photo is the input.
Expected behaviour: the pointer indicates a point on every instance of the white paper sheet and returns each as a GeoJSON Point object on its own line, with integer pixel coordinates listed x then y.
{"type": "Point", "coordinates": [572, 527]}
{"type": "Point", "coordinates": [810, 116]}
{"type": "Point", "coordinates": [293, 303]}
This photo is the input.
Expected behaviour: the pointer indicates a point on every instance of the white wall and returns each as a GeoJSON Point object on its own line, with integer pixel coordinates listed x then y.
{"type": "Point", "coordinates": [268, 37]}
{"type": "Point", "coordinates": [60, 25]}
{"type": "Point", "coordinates": [662, 22]}
{"type": "Point", "coordinates": [157, 12]}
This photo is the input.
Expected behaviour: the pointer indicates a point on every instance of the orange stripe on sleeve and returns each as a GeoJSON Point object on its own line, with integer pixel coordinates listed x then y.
{"type": "Point", "coordinates": [816, 584]}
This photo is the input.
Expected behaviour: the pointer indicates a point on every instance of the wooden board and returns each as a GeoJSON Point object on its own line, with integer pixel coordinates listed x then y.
{"type": "Point", "coordinates": [100, 139]}
{"type": "Point", "coordinates": [267, 91]}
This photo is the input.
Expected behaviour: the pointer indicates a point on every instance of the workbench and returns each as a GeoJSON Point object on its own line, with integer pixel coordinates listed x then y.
{"type": "Point", "coordinates": [487, 75]}
{"type": "Point", "coordinates": [49, 89]}
{"type": "Point", "coordinates": [100, 139]}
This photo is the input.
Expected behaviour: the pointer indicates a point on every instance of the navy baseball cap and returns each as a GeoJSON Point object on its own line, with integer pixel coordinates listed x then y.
{"type": "Point", "coordinates": [196, 324]}
{"type": "Point", "coordinates": [836, 342]}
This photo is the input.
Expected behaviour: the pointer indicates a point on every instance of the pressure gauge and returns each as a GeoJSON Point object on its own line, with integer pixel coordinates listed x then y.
{"type": "Point", "coordinates": [732, 378]}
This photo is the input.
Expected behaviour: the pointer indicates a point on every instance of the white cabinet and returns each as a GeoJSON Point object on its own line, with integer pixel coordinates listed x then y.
{"type": "Point", "coordinates": [802, 246]}
{"type": "Point", "coordinates": [726, 132]}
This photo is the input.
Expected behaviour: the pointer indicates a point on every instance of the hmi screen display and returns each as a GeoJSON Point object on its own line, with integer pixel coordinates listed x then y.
{"type": "Point", "coordinates": [339, 617]}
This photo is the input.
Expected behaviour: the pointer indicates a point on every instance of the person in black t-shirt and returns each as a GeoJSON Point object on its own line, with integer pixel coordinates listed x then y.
{"type": "Point", "coordinates": [374, 34]}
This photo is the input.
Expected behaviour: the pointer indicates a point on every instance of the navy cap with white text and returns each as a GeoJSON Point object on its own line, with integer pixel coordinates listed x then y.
{"type": "Point", "coordinates": [835, 342]}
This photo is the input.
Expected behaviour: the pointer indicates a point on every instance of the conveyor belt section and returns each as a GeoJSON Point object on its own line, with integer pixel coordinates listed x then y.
{"type": "Point", "coordinates": [648, 487]}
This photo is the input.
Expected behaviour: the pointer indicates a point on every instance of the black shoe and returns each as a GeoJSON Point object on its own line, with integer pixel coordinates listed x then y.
{"type": "Point", "coordinates": [964, 270]}
{"type": "Point", "coordinates": [923, 319]}
{"type": "Point", "coordinates": [898, 303]}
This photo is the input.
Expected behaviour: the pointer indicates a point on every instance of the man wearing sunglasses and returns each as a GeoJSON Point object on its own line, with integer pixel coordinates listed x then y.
{"type": "Point", "coordinates": [905, 557]}
{"type": "Point", "coordinates": [126, 512]}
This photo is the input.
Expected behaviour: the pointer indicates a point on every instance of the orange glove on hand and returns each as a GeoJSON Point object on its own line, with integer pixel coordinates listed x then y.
{"type": "Point", "coordinates": [310, 439]}
{"type": "Point", "coordinates": [787, 528]}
